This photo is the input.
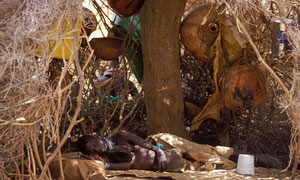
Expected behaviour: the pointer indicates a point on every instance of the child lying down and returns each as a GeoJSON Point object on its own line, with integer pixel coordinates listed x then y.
{"type": "Point", "coordinates": [125, 150]}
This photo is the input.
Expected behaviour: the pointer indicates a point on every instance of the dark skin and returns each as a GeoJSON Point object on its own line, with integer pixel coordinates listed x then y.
{"type": "Point", "coordinates": [147, 155]}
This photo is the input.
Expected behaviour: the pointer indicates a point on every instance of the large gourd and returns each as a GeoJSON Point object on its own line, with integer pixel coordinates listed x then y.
{"type": "Point", "coordinates": [200, 29]}
{"type": "Point", "coordinates": [107, 48]}
{"type": "Point", "coordinates": [243, 88]}
{"type": "Point", "coordinates": [198, 32]}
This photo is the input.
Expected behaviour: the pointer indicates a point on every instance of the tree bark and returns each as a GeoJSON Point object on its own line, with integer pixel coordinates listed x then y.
{"type": "Point", "coordinates": [160, 23]}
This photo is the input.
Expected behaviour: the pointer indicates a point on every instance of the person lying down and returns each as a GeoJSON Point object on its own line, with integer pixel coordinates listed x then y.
{"type": "Point", "coordinates": [125, 150]}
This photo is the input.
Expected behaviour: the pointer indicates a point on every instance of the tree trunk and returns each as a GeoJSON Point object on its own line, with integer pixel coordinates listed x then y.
{"type": "Point", "coordinates": [160, 22]}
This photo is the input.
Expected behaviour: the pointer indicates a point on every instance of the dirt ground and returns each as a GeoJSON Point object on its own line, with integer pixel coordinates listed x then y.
{"type": "Point", "coordinates": [260, 173]}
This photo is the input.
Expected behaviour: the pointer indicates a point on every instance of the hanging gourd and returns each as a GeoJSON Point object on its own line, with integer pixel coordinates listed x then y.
{"type": "Point", "coordinates": [107, 48]}
{"type": "Point", "coordinates": [200, 29]}
{"type": "Point", "coordinates": [243, 87]}
{"type": "Point", "coordinates": [198, 32]}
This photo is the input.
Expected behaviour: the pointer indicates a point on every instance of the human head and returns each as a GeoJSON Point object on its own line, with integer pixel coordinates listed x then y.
{"type": "Point", "coordinates": [88, 144]}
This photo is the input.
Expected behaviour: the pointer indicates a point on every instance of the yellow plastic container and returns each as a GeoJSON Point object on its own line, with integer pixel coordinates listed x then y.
{"type": "Point", "coordinates": [62, 48]}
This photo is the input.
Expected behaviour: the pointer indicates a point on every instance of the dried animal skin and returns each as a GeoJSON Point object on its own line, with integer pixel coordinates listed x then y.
{"type": "Point", "coordinates": [215, 103]}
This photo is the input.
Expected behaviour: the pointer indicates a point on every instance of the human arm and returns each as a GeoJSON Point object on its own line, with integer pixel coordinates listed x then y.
{"type": "Point", "coordinates": [108, 165]}
{"type": "Point", "coordinates": [125, 136]}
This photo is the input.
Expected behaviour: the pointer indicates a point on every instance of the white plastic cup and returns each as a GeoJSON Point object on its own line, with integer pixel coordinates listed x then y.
{"type": "Point", "coordinates": [245, 164]}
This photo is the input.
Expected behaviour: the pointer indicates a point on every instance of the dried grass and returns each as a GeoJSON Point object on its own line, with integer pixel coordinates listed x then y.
{"type": "Point", "coordinates": [27, 100]}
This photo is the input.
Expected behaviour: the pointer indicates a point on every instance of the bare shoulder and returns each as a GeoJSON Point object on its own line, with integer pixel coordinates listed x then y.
{"type": "Point", "coordinates": [121, 138]}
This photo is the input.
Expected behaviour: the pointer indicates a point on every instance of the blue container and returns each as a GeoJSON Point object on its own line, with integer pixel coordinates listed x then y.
{"type": "Point", "coordinates": [280, 42]}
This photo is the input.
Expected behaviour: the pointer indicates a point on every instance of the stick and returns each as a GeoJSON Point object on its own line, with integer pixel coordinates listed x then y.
{"type": "Point", "coordinates": [128, 115]}
{"type": "Point", "coordinates": [36, 152]}
{"type": "Point", "coordinates": [77, 111]}
{"type": "Point", "coordinates": [17, 85]}
{"type": "Point", "coordinates": [43, 148]}
{"type": "Point", "coordinates": [80, 120]}
{"type": "Point", "coordinates": [18, 105]}
{"type": "Point", "coordinates": [22, 163]}
{"type": "Point", "coordinates": [17, 166]}
{"type": "Point", "coordinates": [31, 156]}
